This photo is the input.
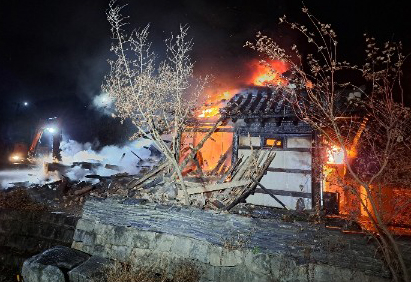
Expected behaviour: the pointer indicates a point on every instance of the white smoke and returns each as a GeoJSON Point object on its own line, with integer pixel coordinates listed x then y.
{"type": "Point", "coordinates": [35, 175]}
{"type": "Point", "coordinates": [104, 103]}
{"type": "Point", "coordinates": [110, 160]}
{"type": "Point", "coordinates": [124, 158]}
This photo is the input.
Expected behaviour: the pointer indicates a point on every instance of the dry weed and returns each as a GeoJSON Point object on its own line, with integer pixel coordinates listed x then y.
{"type": "Point", "coordinates": [184, 272]}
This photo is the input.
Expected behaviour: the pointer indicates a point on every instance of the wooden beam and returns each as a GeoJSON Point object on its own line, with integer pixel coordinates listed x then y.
{"type": "Point", "coordinates": [83, 190]}
{"type": "Point", "coordinates": [222, 159]}
{"type": "Point", "coordinates": [214, 187]}
{"type": "Point", "coordinates": [200, 145]}
{"type": "Point", "coordinates": [252, 187]}
{"type": "Point", "coordinates": [135, 182]}
{"type": "Point", "coordinates": [268, 192]}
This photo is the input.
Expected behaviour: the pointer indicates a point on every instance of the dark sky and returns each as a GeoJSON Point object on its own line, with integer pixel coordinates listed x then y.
{"type": "Point", "coordinates": [53, 53]}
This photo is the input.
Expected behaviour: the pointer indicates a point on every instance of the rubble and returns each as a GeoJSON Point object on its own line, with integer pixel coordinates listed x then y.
{"type": "Point", "coordinates": [221, 189]}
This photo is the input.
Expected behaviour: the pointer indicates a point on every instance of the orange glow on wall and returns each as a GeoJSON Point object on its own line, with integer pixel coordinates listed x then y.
{"type": "Point", "coordinates": [216, 146]}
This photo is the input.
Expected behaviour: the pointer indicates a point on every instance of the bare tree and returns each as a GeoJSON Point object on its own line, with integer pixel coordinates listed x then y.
{"type": "Point", "coordinates": [158, 98]}
{"type": "Point", "coordinates": [370, 126]}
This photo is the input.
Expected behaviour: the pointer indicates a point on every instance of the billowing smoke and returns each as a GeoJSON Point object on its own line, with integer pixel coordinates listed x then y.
{"type": "Point", "coordinates": [129, 158]}
{"type": "Point", "coordinates": [104, 103]}
{"type": "Point", "coordinates": [80, 160]}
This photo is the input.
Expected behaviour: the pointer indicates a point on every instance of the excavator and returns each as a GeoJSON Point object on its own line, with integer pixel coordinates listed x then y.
{"type": "Point", "coordinates": [22, 155]}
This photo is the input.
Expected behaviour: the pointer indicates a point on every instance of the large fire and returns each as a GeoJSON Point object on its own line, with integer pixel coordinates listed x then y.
{"type": "Point", "coordinates": [213, 103]}
{"type": "Point", "coordinates": [335, 155]}
{"type": "Point", "coordinates": [266, 74]}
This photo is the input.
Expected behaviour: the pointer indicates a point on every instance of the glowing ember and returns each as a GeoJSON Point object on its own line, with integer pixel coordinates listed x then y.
{"type": "Point", "coordinates": [209, 112]}
{"type": "Point", "coordinates": [335, 155]}
{"type": "Point", "coordinates": [269, 73]}
{"type": "Point", "coordinates": [213, 104]}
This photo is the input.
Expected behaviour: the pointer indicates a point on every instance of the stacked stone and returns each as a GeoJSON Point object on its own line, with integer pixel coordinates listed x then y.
{"type": "Point", "coordinates": [23, 234]}
{"type": "Point", "coordinates": [225, 247]}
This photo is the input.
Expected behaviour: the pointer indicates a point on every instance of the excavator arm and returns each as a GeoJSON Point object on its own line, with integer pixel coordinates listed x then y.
{"type": "Point", "coordinates": [35, 141]}
{"type": "Point", "coordinates": [49, 124]}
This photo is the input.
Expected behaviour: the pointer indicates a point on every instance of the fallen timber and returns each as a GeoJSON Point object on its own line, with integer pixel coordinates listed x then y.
{"type": "Point", "coordinates": [135, 182]}
{"type": "Point", "coordinates": [250, 189]}
{"type": "Point", "coordinates": [269, 192]}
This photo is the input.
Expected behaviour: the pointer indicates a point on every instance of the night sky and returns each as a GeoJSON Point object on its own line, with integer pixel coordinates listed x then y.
{"type": "Point", "coordinates": [53, 54]}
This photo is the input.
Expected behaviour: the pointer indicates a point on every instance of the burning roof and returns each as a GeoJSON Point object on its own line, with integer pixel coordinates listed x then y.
{"type": "Point", "coordinates": [258, 102]}
{"type": "Point", "coordinates": [262, 75]}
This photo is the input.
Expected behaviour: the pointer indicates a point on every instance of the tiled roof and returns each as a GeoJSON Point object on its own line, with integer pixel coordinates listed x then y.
{"type": "Point", "coordinates": [257, 102]}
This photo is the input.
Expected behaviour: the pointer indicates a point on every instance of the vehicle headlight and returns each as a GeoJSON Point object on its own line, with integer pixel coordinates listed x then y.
{"type": "Point", "coordinates": [15, 158]}
{"type": "Point", "coordinates": [51, 129]}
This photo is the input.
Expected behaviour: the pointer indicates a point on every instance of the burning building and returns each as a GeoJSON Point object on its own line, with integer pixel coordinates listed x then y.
{"type": "Point", "coordinates": [263, 119]}
{"type": "Point", "coordinates": [303, 172]}
{"type": "Point", "coordinates": [259, 118]}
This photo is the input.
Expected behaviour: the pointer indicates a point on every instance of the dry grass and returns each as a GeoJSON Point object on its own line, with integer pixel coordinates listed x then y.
{"type": "Point", "coordinates": [184, 272]}
{"type": "Point", "coordinates": [19, 199]}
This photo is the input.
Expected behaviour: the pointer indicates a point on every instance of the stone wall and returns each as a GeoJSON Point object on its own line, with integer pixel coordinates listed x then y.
{"type": "Point", "coordinates": [23, 234]}
{"type": "Point", "coordinates": [225, 247]}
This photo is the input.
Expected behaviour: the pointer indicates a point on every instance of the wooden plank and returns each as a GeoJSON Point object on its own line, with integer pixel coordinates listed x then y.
{"type": "Point", "coordinates": [252, 187]}
{"type": "Point", "coordinates": [231, 170]}
{"type": "Point", "coordinates": [251, 166]}
{"type": "Point", "coordinates": [215, 187]}
{"type": "Point", "coordinates": [135, 182]}
{"type": "Point", "coordinates": [239, 167]}
{"type": "Point", "coordinates": [245, 166]}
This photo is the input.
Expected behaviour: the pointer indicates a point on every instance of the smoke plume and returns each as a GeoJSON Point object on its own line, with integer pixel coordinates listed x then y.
{"type": "Point", "coordinates": [81, 160]}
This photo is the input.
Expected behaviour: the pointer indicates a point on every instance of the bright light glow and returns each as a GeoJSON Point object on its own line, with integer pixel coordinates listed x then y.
{"type": "Point", "coordinates": [25, 103]}
{"type": "Point", "coordinates": [15, 157]}
{"type": "Point", "coordinates": [51, 129]}
{"type": "Point", "coordinates": [335, 155]}
{"type": "Point", "coordinates": [274, 143]}
{"type": "Point", "coordinates": [213, 104]}
{"type": "Point", "coordinates": [210, 112]}
{"type": "Point", "coordinates": [269, 73]}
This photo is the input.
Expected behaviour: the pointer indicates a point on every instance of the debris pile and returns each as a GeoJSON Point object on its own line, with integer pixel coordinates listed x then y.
{"type": "Point", "coordinates": [221, 188]}
{"type": "Point", "coordinates": [211, 191]}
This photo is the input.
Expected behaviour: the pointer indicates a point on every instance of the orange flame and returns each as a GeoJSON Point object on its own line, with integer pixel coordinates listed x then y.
{"type": "Point", "coordinates": [335, 155]}
{"type": "Point", "coordinates": [268, 73]}
{"type": "Point", "coordinates": [263, 75]}
{"type": "Point", "coordinates": [213, 104]}
{"type": "Point", "coordinates": [209, 112]}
